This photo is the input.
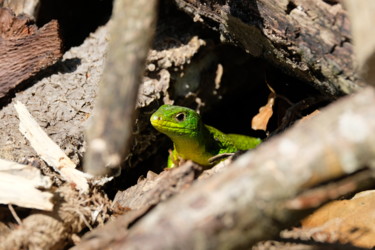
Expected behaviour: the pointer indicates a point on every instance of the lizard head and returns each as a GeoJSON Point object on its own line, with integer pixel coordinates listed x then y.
{"type": "Point", "coordinates": [176, 121]}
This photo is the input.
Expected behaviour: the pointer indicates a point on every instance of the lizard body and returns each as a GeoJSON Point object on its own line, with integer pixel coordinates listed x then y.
{"type": "Point", "coordinates": [194, 140]}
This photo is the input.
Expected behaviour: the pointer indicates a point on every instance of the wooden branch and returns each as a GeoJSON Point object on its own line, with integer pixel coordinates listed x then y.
{"type": "Point", "coordinates": [49, 151]}
{"type": "Point", "coordinates": [111, 131]}
{"type": "Point", "coordinates": [24, 49]}
{"type": "Point", "coordinates": [153, 190]}
{"type": "Point", "coordinates": [246, 202]}
{"type": "Point", "coordinates": [309, 40]}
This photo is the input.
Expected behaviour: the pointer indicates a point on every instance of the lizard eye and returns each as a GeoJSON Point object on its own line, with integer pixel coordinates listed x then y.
{"type": "Point", "coordinates": [180, 117]}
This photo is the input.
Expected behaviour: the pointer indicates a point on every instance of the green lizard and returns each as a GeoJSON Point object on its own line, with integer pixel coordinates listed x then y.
{"type": "Point", "coordinates": [194, 140]}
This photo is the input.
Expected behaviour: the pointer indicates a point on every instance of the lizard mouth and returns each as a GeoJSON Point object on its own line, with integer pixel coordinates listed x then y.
{"type": "Point", "coordinates": [168, 127]}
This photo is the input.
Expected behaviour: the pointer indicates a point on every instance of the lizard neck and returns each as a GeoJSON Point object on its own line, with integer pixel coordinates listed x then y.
{"type": "Point", "coordinates": [193, 146]}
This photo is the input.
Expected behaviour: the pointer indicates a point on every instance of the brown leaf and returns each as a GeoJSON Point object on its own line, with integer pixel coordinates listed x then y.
{"type": "Point", "coordinates": [346, 221]}
{"type": "Point", "coordinates": [260, 121]}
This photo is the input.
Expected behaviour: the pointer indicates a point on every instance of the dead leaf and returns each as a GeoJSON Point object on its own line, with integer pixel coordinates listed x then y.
{"type": "Point", "coordinates": [260, 121]}
{"type": "Point", "coordinates": [345, 221]}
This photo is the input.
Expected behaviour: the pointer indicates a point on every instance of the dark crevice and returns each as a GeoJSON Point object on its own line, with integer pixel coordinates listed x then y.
{"type": "Point", "coordinates": [341, 44]}
{"type": "Point", "coordinates": [77, 18]}
{"type": "Point", "coordinates": [291, 6]}
{"type": "Point", "coordinates": [332, 50]}
{"type": "Point", "coordinates": [345, 40]}
{"type": "Point", "coordinates": [332, 2]}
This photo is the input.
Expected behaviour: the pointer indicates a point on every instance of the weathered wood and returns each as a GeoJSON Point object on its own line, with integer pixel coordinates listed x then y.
{"type": "Point", "coordinates": [25, 49]}
{"type": "Point", "coordinates": [246, 202]}
{"type": "Point", "coordinates": [53, 230]}
{"type": "Point", "coordinates": [101, 237]}
{"type": "Point", "coordinates": [310, 39]}
{"type": "Point", "coordinates": [19, 186]}
{"type": "Point", "coordinates": [166, 233]}
{"type": "Point", "coordinates": [154, 190]}
{"type": "Point", "coordinates": [138, 200]}
{"type": "Point", "coordinates": [111, 131]}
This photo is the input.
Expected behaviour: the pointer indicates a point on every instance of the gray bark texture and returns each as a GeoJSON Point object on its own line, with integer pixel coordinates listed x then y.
{"type": "Point", "coordinates": [310, 40]}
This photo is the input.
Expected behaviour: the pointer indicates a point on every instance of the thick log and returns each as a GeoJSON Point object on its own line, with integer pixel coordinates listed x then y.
{"type": "Point", "coordinates": [310, 40]}
{"type": "Point", "coordinates": [25, 49]}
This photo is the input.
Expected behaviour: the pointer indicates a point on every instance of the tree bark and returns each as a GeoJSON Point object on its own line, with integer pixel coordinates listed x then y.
{"type": "Point", "coordinates": [25, 50]}
{"type": "Point", "coordinates": [310, 40]}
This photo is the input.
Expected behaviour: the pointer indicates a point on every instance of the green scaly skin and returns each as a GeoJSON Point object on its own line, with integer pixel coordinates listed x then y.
{"type": "Point", "coordinates": [194, 140]}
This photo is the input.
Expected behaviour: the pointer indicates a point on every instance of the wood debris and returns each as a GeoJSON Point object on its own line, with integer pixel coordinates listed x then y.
{"type": "Point", "coordinates": [19, 186]}
{"type": "Point", "coordinates": [49, 151]}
